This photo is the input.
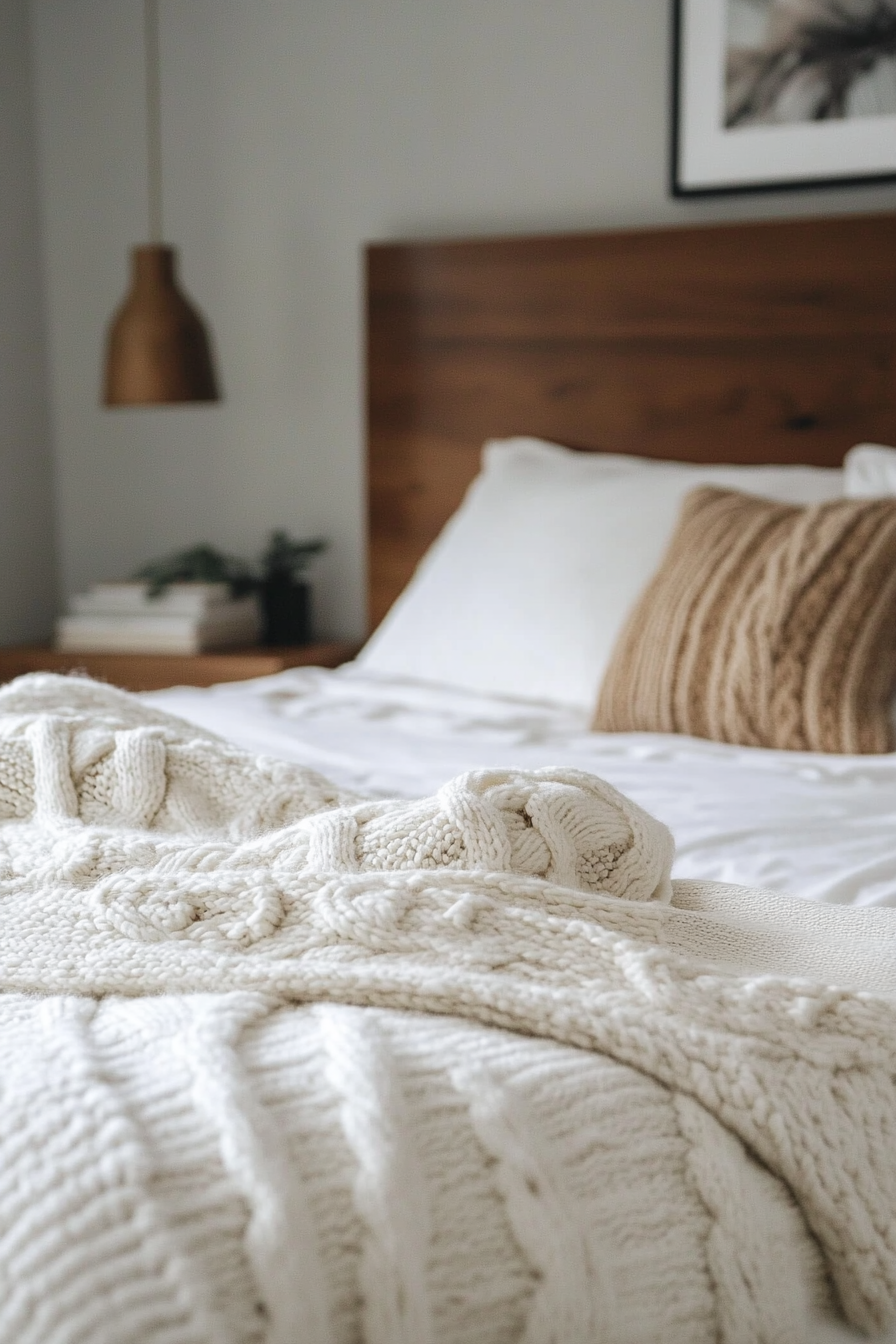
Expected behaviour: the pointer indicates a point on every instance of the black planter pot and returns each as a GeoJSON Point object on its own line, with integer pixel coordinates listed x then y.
{"type": "Point", "coordinates": [286, 612]}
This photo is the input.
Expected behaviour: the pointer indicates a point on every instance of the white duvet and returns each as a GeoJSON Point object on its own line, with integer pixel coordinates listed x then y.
{"type": "Point", "coordinates": [820, 827]}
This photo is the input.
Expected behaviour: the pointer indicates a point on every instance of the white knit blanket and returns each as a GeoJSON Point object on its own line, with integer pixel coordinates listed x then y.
{"type": "Point", "coordinates": [148, 1189]}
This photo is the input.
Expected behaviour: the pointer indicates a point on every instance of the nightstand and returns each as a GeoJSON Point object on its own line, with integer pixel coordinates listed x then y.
{"type": "Point", "coordinates": [156, 671]}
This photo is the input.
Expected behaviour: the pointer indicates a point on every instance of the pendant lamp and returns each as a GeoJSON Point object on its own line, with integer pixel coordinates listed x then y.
{"type": "Point", "coordinates": [158, 352]}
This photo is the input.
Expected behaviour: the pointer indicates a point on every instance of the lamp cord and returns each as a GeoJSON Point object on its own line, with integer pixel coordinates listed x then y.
{"type": "Point", "coordinates": [153, 118]}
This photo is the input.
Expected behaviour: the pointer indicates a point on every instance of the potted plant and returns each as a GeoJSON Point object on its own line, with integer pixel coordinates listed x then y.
{"type": "Point", "coordinates": [285, 594]}
{"type": "Point", "coordinates": [198, 564]}
{"type": "Point", "coordinates": [278, 579]}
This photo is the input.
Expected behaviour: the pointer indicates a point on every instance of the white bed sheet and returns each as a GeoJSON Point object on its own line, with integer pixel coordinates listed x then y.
{"type": "Point", "coordinates": [820, 827]}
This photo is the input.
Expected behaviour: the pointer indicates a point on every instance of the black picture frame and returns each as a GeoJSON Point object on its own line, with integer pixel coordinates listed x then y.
{"type": "Point", "coordinates": [706, 159]}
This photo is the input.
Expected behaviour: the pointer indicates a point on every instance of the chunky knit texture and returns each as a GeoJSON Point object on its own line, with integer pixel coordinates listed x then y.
{"type": "Point", "coordinates": [767, 625]}
{"type": "Point", "coordinates": [204, 1160]}
{"type": "Point", "coordinates": [214, 1168]}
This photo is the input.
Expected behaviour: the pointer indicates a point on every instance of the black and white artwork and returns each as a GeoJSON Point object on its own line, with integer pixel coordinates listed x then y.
{"type": "Point", "coordinates": [783, 93]}
{"type": "Point", "coordinates": [809, 60]}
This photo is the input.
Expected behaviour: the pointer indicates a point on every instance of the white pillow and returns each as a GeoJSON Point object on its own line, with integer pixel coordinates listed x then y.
{"type": "Point", "coordinates": [528, 585]}
{"type": "Point", "coordinates": [869, 470]}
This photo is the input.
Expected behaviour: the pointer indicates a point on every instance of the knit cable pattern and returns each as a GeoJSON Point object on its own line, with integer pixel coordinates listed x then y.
{"type": "Point", "coordinates": [446, 906]}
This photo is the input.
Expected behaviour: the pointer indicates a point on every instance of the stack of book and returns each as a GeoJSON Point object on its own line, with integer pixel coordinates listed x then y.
{"type": "Point", "coordinates": [186, 618]}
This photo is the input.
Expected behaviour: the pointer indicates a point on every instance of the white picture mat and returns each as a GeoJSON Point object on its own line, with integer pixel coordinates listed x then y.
{"type": "Point", "coordinates": [709, 155]}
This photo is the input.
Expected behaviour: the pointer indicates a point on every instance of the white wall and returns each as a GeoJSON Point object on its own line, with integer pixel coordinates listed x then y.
{"type": "Point", "coordinates": [27, 572]}
{"type": "Point", "coordinates": [293, 131]}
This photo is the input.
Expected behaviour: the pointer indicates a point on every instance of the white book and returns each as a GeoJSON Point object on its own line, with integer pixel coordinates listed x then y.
{"type": "Point", "coordinates": [161, 625]}
{"type": "Point", "coordinates": [178, 599]}
{"type": "Point", "coordinates": [155, 634]}
{"type": "Point", "coordinates": [243, 613]}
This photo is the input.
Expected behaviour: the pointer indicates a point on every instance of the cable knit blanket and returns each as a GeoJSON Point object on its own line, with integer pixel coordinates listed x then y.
{"type": "Point", "coordinates": [186, 1155]}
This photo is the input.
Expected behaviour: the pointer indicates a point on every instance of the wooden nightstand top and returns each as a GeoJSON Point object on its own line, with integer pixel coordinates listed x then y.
{"type": "Point", "coordinates": [156, 671]}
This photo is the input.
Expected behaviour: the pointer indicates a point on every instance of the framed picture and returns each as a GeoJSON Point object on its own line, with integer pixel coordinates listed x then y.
{"type": "Point", "coordinates": [782, 93]}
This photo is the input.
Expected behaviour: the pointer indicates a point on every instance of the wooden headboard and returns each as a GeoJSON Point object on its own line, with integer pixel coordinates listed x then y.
{"type": "Point", "coordinates": [771, 342]}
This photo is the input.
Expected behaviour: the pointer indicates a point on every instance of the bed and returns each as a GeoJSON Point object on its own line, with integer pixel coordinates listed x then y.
{"type": "Point", "coordinates": [771, 343]}
{"type": "Point", "coordinates": [290, 1055]}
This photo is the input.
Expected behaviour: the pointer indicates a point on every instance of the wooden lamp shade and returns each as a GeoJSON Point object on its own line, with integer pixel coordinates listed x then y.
{"type": "Point", "coordinates": [158, 350]}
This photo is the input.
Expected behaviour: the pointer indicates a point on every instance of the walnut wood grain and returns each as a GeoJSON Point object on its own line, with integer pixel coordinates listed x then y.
{"type": "Point", "coordinates": [156, 671]}
{"type": "Point", "coordinates": [771, 342]}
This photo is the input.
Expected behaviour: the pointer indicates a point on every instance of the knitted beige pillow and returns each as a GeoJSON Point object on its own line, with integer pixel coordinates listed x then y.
{"type": "Point", "coordinates": [766, 624]}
